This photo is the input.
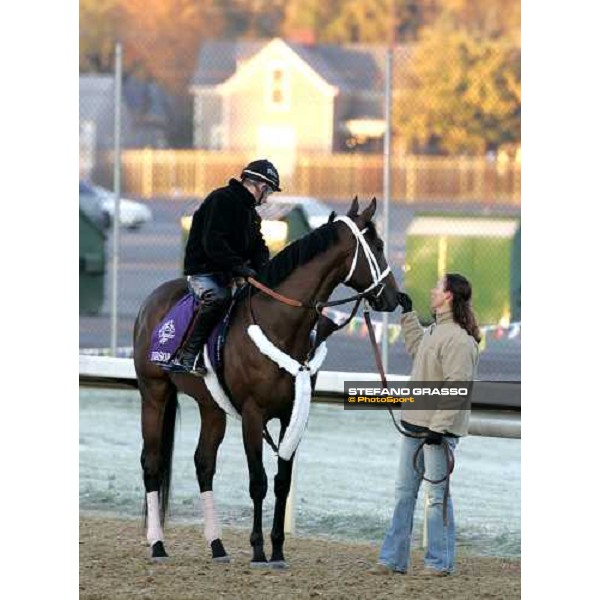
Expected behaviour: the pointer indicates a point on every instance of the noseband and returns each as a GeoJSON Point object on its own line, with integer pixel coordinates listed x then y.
{"type": "Point", "coordinates": [376, 274]}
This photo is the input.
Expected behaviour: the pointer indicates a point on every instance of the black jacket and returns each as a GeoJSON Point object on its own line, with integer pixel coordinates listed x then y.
{"type": "Point", "coordinates": [225, 233]}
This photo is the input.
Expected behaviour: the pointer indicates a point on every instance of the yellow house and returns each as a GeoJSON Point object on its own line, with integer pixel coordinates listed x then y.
{"type": "Point", "coordinates": [281, 99]}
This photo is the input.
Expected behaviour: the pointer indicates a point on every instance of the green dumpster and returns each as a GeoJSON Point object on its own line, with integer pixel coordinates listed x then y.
{"type": "Point", "coordinates": [486, 250]}
{"type": "Point", "coordinates": [282, 224]}
{"type": "Point", "coordinates": [92, 266]}
{"type": "Point", "coordinates": [515, 281]}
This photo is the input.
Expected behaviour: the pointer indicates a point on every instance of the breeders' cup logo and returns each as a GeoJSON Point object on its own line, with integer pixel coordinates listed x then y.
{"type": "Point", "coordinates": [166, 332]}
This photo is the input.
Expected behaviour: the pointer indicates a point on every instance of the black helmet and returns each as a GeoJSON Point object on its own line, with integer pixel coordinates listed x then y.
{"type": "Point", "coordinates": [262, 170]}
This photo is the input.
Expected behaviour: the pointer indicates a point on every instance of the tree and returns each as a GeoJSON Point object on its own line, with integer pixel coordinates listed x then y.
{"type": "Point", "coordinates": [252, 18]}
{"type": "Point", "coordinates": [488, 18]}
{"type": "Point", "coordinates": [98, 33]}
{"type": "Point", "coordinates": [344, 21]}
{"type": "Point", "coordinates": [161, 38]}
{"type": "Point", "coordinates": [359, 21]}
{"type": "Point", "coordinates": [463, 94]}
{"type": "Point", "coordinates": [396, 21]}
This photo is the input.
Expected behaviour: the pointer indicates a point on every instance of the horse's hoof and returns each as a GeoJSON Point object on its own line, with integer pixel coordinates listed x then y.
{"type": "Point", "coordinates": [222, 559]}
{"type": "Point", "coordinates": [218, 551]}
{"type": "Point", "coordinates": [262, 564]}
{"type": "Point", "coordinates": [278, 564]}
{"type": "Point", "coordinates": [158, 554]}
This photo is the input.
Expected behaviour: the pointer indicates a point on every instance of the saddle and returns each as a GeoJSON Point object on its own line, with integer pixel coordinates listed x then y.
{"type": "Point", "coordinates": [171, 334]}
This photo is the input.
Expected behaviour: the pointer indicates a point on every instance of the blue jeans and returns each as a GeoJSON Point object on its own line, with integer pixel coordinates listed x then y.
{"type": "Point", "coordinates": [395, 550]}
{"type": "Point", "coordinates": [211, 288]}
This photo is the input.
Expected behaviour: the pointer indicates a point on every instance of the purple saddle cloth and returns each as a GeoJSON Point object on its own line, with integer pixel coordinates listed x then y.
{"type": "Point", "coordinates": [170, 333]}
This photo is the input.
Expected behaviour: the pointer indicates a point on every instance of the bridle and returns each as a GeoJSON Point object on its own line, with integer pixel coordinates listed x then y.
{"type": "Point", "coordinates": [377, 275]}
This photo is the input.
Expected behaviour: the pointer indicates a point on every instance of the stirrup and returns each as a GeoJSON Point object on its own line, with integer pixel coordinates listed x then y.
{"type": "Point", "coordinates": [194, 366]}
{"type": "Point", "coordinates": [198, 368]}
{"type": "Point", "coordinates": [198, 371]}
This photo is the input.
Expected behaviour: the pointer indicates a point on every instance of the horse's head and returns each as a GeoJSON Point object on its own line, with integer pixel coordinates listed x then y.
{"type": "Point", "coordinates": [367, 266]}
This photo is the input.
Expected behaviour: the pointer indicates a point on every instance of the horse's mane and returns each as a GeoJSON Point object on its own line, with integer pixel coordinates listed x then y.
{"type": "Point", "coordinates": [298, 253]}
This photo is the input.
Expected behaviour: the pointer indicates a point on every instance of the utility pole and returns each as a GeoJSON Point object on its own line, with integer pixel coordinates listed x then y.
{"type": "Point", "coordinates": [387, 164]}
{"type": "Point", "coordinates": [117, 191]}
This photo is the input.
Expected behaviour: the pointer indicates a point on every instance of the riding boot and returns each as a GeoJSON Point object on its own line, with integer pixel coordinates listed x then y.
{"type": "Point", "coordinates": [191, 356]}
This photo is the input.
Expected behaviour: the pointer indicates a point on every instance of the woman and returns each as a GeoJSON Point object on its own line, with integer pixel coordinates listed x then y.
{"type": "Point", "coordinates": [447, 351]}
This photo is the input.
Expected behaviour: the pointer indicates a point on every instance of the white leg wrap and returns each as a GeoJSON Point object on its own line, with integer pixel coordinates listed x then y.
{"type": "Point", "coordinates": [155, 532]}
{"type": "Point", "coordinates": [212, 525]}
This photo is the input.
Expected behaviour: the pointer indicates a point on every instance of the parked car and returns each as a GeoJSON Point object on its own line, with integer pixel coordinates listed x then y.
{"type": "Point", "coordinates": [316, 212]}
{"type": "Point", "coordinates": [91, 204]}
{"type": "Point", "coordinates": [132, 214]}
{"type": "Point", "coordinates": [287, 218]}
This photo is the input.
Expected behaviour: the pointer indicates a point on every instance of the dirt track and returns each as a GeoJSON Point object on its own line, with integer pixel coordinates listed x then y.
{"type": "Point", "coordinates": [114, 564]}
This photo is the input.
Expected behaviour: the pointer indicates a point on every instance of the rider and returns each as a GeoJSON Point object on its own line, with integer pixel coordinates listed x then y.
{"type": "Point", "coordinates": [225, 243]}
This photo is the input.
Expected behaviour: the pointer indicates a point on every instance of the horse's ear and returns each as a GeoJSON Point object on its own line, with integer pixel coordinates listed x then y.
{"type": "Point", "coordinates": [353, 212]}
{"type": "Point", "coordinates": [368, 213]}
{"type": "Point", "coordinates": [332, 216]}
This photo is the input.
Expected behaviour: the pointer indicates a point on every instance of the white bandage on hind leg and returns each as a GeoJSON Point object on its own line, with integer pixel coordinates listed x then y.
{"type": "Point", "coordinates": [155, 532]}
{"type": "Point", "coordinates": [212, 525]}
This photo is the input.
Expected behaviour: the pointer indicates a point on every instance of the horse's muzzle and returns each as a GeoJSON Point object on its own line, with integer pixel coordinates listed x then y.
{"type": "Point", "coordinates": [383, 299]}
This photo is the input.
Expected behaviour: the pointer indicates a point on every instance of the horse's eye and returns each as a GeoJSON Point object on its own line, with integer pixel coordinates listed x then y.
{"type": "Point", "coordinates": [379, 246]}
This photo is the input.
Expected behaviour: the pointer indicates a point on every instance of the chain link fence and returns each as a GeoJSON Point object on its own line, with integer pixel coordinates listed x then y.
{"type": "Point", "coordinates": [317, 111]}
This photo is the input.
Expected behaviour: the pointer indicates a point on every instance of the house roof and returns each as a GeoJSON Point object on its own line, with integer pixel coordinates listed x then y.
{"type": "Point", "coordinates": [145, 110]}
{"type": "Point", "coordinates": [97, 94]}
{"type": "Point", "coordinates": [218, 59]}
{"type": "Point", "coordinates": [351, 68]}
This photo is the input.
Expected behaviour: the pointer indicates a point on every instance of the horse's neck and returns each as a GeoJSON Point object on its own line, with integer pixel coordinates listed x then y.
{"type": "Point", "coordinates": [288, 327]}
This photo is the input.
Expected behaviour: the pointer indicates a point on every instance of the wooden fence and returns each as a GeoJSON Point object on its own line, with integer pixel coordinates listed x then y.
{"type": "Point", "coordinates": [194, 173]}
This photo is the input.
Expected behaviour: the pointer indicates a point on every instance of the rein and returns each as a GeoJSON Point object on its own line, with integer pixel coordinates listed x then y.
{"type": "Point", "coordinates": [297, 303]}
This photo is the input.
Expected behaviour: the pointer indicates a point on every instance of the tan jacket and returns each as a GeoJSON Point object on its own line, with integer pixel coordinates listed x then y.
{"type": "Point", "coordinates": [443, 352]}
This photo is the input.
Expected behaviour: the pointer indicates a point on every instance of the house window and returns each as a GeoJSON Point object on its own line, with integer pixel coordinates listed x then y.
{"type": "Point", "coordinates": [279, 88]}
{"type": "Point", "coordinates": [216, 137]}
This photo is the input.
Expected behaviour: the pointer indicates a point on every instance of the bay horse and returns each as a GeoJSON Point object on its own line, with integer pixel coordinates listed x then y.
{"type": "Point", "coordinates": [346, 250]}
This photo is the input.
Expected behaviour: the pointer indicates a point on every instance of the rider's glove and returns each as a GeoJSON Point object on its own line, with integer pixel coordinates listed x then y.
{"type": "Point", "coordinates": [243, 271]}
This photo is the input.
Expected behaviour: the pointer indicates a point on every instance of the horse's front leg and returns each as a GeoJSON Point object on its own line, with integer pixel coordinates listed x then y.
{"type": "Point", "coordinates": [282, 482]}
{"type": "Point", "coordinates": [252, 428]}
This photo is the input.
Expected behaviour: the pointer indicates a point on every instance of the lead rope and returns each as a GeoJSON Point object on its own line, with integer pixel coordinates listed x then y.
{"type": "Point", "coordinates": [447, 449]}
{"type": "Point", "coordinates": [446, 478]}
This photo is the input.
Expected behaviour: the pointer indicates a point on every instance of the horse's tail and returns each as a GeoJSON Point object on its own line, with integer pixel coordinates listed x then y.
{"type": "Point", "coordinates": [166, 450]}
{"type": "Point", "coordinates": [167, 443]}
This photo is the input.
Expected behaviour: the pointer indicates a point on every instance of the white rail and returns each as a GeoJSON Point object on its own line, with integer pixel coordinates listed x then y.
{"type": "Point", "coordinates": [495, 421]}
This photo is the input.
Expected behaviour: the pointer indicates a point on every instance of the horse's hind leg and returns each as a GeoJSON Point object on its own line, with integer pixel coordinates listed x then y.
{"type": "Point", "coordinates": [212, 430]}
{"type": "Point", "coordinates": [159, 409]}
